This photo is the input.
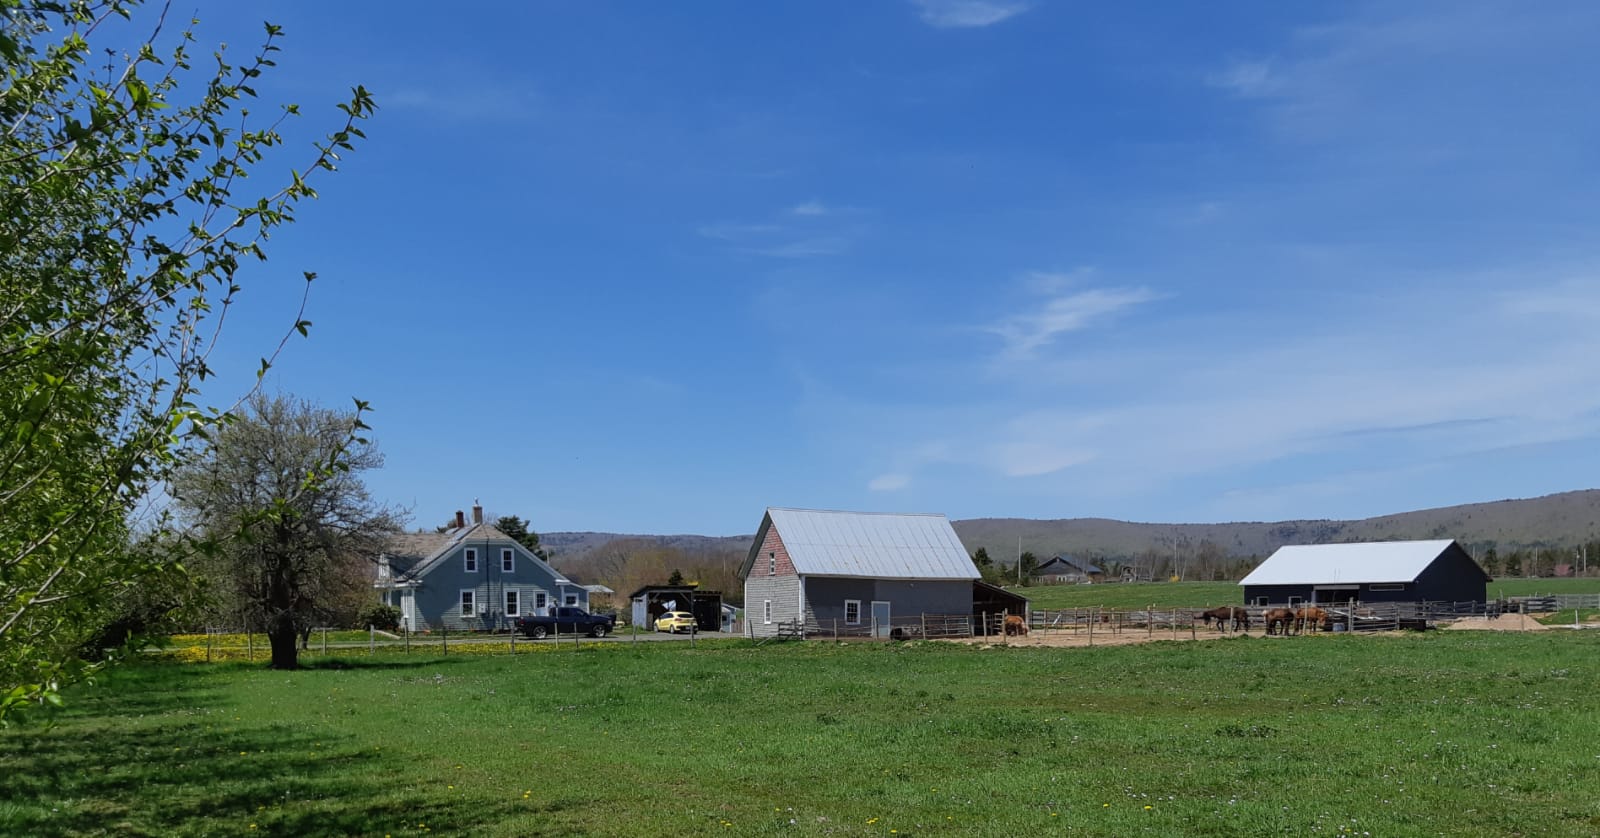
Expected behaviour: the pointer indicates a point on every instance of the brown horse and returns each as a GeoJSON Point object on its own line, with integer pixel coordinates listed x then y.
{"type": "Point", "coordinates": [1279, 619]}
{"type": "Point", "coordinates": [1015, 625]}
{"type": "Point", "coordinates": [1227, 616]}
{"type": "Point", "coordinates": [1317, 619]}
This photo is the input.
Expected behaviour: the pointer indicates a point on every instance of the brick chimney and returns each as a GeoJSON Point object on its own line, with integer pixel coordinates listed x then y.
{"type": "Point", "coordinates": [477, 512]}
{"type": "Point", "coordinates": [461, 519]}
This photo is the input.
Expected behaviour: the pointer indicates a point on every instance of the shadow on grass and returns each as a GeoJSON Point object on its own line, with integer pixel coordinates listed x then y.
{"type": "Point", "coordinates": [157, 751]}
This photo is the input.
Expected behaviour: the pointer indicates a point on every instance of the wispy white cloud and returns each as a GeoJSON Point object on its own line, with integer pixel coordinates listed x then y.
{"type": "Point", "coordinates": [1250, 79]}
{"type": "Point", "coordinates": [1025, 333]}
{"type": "Point", "coordinates": [889, 482]}
{"type": "Point", "coordinates": [806, 230]}
{"type": "Point", "coordinates": [959, 14]}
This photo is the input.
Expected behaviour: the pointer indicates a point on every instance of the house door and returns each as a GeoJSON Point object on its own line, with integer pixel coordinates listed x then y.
{"type": "Point", "coordinates": [408, 611]}
{"type": "Point", "coordinates": [880, 618]}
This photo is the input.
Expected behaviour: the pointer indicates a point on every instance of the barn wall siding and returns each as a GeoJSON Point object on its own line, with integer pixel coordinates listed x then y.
{"type": "Point", "coordinates": [1453, 577]}
{"type": "Point", "coordinates": [784, 591]}
{"type": "Point", "coordinates": [825, 596]}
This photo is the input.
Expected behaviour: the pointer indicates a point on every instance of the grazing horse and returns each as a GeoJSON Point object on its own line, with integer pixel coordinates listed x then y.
{"type": "Point", "coordinates": [1316, 618]}
{"type": "Point", "coordinates": [1015, 625]}
{"type": "Point", "coordinates": [1227, 616]}
{"type": "Point", "coordinates": [1278, 618]}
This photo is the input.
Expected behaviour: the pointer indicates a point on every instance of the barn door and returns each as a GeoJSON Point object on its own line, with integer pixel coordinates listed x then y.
{"type": "Point", "coordinates": [880, 618]}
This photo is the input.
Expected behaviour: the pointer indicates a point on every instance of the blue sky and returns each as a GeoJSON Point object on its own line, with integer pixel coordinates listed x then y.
{"type": "Point", "coordinates": [651, 267]}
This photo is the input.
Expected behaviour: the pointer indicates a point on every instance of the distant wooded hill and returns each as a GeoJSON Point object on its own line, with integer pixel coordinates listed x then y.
{"type": "Point", "coordinates": [1568, 519]}
{"type": "Point", "coordinates": [1548, 524]}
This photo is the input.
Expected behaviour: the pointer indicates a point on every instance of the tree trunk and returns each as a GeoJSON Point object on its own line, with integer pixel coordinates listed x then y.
{"type": "Point", "coordinates": [285, 643]}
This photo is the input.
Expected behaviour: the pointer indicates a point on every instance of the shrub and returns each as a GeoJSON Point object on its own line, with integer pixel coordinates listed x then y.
{"type": "Point", "coordinates": [381, 617]}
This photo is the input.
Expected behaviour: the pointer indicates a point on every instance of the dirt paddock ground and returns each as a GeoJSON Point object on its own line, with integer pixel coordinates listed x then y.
{"type": "Point", "coordinates": [1104, 636]}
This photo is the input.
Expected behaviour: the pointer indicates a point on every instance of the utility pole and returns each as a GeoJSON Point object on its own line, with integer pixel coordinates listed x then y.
{"type": "Point", "coordinates": [1019, 561]}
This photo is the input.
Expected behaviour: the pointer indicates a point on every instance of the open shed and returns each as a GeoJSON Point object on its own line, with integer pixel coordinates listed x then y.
{"type": "Point", "coordinates": [651, 601]}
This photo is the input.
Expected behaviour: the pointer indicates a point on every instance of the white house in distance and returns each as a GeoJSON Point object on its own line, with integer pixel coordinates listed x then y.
{"type": "Point", "coordinates": [857, 568]}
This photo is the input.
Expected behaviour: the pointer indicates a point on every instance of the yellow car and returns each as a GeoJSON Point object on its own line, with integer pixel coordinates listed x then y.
{"type": "Point", "coordinates": [675, 621]}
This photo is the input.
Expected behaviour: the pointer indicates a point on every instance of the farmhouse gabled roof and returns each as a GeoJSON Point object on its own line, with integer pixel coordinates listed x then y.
{"type": "Point", "coordinates": [1065, 562]}
{"type": "Point", "coordinates": [406, 554]}
{"type": "Point", "coordinates": [1354, 564]}
{"type": "Point", "coordinates": [872, 545]}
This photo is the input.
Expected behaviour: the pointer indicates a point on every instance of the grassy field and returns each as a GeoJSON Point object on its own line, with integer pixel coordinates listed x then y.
{"type": "Point", "coordinates": [1456, 733]}
{"type": "Point", "coordinates": [1169, 594]}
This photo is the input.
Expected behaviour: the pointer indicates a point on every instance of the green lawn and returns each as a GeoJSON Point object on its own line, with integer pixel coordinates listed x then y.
{"type": "Point", "coordinates": [1455, 733]}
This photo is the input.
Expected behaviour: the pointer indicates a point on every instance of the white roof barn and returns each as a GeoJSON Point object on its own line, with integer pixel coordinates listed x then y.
{"type": "Point", "coordinates": [1414, 570]}
{"type": "Point", "coordinates": [1374, 561]}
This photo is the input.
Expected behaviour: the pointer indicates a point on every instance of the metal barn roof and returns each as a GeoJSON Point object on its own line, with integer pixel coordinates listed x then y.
{"type": "Point", "coordinates": [871, 544]}
{"type": "Point", "coordinates": [1353, 564]}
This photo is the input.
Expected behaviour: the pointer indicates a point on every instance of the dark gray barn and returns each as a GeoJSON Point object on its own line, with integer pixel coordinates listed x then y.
{"type": "Point", "coordinates": [1379, 571]}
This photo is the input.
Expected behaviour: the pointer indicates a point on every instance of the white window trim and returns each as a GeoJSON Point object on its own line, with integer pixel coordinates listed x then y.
{"type": "Point", "coordinates": [1295, 600]}
{"type": "Point", "coordinates": [569, 600]}
{"type": "Point", "coordinates": [541, 599]}
{"type": "Point", "coordinates": [469, 560]}
{"type": "Point", "coordinates": [766, 612]}
{"type": "Point", "coordinates": [469, 602]}
{"type": "Point", "coordinates": [772, 563]}
{"type": "Point", "coordinates": [508, 560]}
{"type": "Point", "coordinates": [847, 620]}
{"type": "Point", "coordinates": [513, 602]}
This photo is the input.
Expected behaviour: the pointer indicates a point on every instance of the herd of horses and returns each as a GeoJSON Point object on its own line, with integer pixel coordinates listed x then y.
{"type": "Point", "coordinates": [1281, 621]}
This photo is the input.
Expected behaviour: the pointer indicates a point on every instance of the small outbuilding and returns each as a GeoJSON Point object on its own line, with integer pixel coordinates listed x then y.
{"type": "Point", "coordinates": [1379, 571]}
{"type": "Point", "coordinates": [651, 601]}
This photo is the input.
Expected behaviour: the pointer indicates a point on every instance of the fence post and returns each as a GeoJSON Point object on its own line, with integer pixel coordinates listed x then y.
{"type": "Point", "coordinates": [513, 640]}
{"type": "Point", "coordinates": [208, 645]}
{"type": "Point", "coordinates": [836, 629]}
{"type": "Point", "coordinates": [405, 632]}
{"type": "Point", "coordinates": [925, 624]}
{"type": "Point", "coordinates": [1191, 624]}
{"type": "Point", "coordinates": [1091, 629]}
{"type": "Point", "coordinates": [1150, 622]}
{"type": "Point", "coordinates": [249, 643]}
{"type": "Point", "coordinates": [1174, 620]}
{"type": "Point", "coordinates": [372, 638]}
{"type": "Point", "coordinates": [444, 637]}
{"type": "Point", "coordinates": [324, 640]}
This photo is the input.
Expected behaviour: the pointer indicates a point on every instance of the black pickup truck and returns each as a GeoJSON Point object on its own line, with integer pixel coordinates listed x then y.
{"type": "Point", "coordinates": [566, 620]}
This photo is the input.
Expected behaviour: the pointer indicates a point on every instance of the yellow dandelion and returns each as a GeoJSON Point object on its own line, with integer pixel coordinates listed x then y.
{"type": "Point", "coordinates": [1105, 805]}
{"type": "Point", "coordinates": [252, 826]}
{"type": "Point", "coordinates": [449, 787]}
{"type": "Point", "coordinates": [872, 820]}
{"type": "Point", "coordinates": [1148, 808]}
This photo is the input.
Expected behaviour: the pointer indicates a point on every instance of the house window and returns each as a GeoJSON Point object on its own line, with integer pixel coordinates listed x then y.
{"type": "Point", "coordinates": [1260, 600]}
{"type": "Point", "coordinates": [1387, 586]}
{"type": "Point", "coordinates": [772, 564]}
{"type": "Point", "coordinates": [513, 603]}
{"type": "Point", "coordinates": [766, 611]}
{"type": "Point", "coordinates": [1294, 601]}
{"type": "Point", "coordinates": [572, 599]}
{"type": "Point", "coordinates": [852, 612]}
{"type": "Point", "coordinates": [508, 560]}
{"type": "Point", "coordinates": [540, 600]}
{"type": "Point", "coordinates": [469, 560]}
{"type": "Point", "coordinates": [468, 603]}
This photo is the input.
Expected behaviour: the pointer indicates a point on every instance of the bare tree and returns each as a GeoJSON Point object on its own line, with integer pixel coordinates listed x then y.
{"type": "Point", "coordinates": [277, 499]}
